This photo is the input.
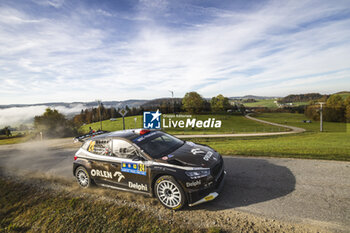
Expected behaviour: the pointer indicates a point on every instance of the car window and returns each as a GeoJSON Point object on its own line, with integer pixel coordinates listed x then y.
{"type": "Point", "coordinates": [123, 149]}
{"type": "Point", "coordinates": [100, 147]}
{"type": "Point", "coordinates": [86, 145]}
{"type": "Point", "coordinates": [159, 144]}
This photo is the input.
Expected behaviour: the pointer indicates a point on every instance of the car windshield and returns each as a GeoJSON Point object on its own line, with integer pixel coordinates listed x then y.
{"type": "Point", "coordinates": [158, 144]}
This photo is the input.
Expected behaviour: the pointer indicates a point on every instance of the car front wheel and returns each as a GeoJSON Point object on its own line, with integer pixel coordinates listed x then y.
{"type": "Point", "coordinates": [170, 193]}
{"type": "Point", "coordinates": [83, 177]}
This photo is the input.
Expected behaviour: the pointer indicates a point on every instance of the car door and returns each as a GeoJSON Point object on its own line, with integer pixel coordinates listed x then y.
{"type": "Point", "coordinates": [131, 172]}
{"type": "Point", "coordinates": [100, 160]}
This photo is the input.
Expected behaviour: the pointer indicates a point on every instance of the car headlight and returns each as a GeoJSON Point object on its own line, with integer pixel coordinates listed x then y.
{"type": "Point", "coordinates": [196, 174]}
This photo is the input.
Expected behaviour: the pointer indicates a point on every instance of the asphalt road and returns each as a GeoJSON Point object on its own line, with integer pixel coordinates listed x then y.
{"type": "Point", "coordinates": [293, 190]}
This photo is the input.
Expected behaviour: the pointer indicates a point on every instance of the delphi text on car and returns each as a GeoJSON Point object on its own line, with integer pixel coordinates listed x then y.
{"type": "Point", "coordinates": [150, 162]}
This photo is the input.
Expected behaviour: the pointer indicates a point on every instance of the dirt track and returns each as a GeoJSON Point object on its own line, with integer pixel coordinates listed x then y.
{"type": "Point", "coordinates": [307, 192]}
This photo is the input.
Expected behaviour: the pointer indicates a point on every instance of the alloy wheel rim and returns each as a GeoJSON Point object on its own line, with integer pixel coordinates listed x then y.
{"type": "Point", "coordinates": [83, 179]}
{"type": "Point", "coordinates": [169, 194]}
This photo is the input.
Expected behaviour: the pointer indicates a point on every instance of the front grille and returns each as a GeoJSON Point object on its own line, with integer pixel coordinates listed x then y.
{"type": "Point", "coordinates": [217, 168]}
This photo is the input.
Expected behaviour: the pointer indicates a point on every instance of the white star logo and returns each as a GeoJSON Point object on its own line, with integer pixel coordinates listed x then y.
{"type": "Point", "coordinates": [156, 115]}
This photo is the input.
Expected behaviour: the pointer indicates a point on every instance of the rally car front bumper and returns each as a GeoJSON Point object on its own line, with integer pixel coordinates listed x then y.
{"type": "Point", "coordinates": [207, 194]}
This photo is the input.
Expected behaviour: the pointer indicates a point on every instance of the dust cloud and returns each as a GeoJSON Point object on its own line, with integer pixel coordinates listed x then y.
{"type": "Point", "coordinates": [38, 157]}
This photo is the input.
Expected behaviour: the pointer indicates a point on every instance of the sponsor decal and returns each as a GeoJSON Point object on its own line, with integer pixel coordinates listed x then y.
{"type": "Point", "coordinates": [91, 146]}
{"type": "Point", "coordinates": [164, 168]}
{"type": "Point", "coordinates": [170, 156]}
{"type": "Point", "coordinates": [176, 207]}
{"type": "Point", "coordinates": [107, 174]}
{"type": "Point", "coordinates": [100, 173]}
{"type": "Point", "coordinates": [192, 123]}
{"type": "Point", "coordinates": [120, 176]}
{"type": "Point", "coordinates": [208, 155]}
{"type": "Point", "coordinates": [151, 120]}
{"type": "Point", "coordinates": [197, 151]}
{"type": "Point", "coordinates": [208, 198]}
{"type": "Point", "coordinates": [208, 184]}
{"type": "Point", "coordinates": [193, 183]}
{"type": "Point", "coordinates": [134, 168]}
{"type": "Point", "coordinates": [137, 186]}
{"type": "Point", "coordinates": [190, 143]}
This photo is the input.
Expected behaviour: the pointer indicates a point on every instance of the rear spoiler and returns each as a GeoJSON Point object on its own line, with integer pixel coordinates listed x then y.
{"type": "Point", "coordinates": [89, 135]}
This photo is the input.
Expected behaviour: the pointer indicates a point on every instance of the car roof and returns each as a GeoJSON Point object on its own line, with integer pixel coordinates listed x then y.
{"type": "Point", "coordinates": [129, 134]}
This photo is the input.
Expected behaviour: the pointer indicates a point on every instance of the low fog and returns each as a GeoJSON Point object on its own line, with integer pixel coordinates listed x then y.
{"type": "Point", "coordinates": [15, 116]}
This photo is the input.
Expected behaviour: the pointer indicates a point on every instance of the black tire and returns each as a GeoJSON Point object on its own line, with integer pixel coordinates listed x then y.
{"type": "Point", "coordinates": [83, 177]}
{"type": "Point", "coordinates": [169, 193]}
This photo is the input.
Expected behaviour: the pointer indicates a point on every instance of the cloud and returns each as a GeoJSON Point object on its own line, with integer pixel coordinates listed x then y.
{"type": "Point", "coordinates": [70, 52]}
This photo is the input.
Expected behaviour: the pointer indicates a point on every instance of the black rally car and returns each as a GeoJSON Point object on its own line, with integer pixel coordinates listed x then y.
{"type": "Point", "coordinates": [153, 163]}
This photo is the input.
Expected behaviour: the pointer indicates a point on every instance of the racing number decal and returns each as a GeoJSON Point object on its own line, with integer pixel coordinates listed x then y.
{"type": "Point", "coordinates": [91, 146]}
{"type": "Point", "coordinates": [141, 167]}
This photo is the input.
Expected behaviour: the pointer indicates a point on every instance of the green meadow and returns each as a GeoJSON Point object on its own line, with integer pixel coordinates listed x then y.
{"type": "Point", "coordinates": [269, 103]}
{"type": "Point", "coordinates": [230, 124]}
{"type": "Point", "coordinates": [332, 144]}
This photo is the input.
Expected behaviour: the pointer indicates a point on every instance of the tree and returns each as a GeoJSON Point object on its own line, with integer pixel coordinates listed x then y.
{"type": "Point", "coordinates": [53, 124]}
{"type": "Point", "coordinates": [312, 111]}
{"type": "Point", "coordinates": [347, 108]}
{"type": "Point", "coordinates": [219, 103]}
{"type": "Point", "coordinates": [193, 102]}
{"type": "Point", "coordinates": [6, 131]}
{"type": "Point", "coordinates": [78, 120]}
{"type": "Point", "coordinates": [335, 109]}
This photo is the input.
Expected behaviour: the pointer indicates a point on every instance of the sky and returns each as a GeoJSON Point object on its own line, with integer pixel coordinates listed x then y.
{"type": "Point", "coordinates": [60, 50]}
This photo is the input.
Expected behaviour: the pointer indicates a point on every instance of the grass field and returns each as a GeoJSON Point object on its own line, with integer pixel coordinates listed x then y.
{"type": "Point", "coordinates": [230, 124]}
{"type": "Point", "coordinates": [12, 140]}
{"type": "Point", "coordinates": [269, 103]}
{"type": "Point", "coordinates": [24, 208]}
{"type": "Point", "coordinates": [295, 119]}
{"type": "Point", "coordinates": [334, 144]}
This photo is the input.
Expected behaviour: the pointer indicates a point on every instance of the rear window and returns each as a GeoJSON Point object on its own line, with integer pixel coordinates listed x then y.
{"type": "Point", "coordinates": [99, 147]}
{"type": "Point", "coordinates": [86, 145]}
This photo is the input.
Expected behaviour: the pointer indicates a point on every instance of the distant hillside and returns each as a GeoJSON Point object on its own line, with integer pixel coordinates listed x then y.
{"type": "Point", "coordinates": [303, 98]}
{"type": "Point", "coordinates": [116, 104]}
{"type": "Point", "coordinates": [343, 94]}
{"type": "Point", "coordinates": [16, 114]}
{"type": "Point", "coordinates": [253, 97]}
{"type": "Point", "coordinates": [160, 101]}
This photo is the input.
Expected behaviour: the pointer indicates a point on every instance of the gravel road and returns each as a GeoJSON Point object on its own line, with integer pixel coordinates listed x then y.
{"type": "Point", "coordinates": [310, 192]}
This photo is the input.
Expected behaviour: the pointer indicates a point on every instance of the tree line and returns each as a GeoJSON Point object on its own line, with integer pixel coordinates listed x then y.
{"type": "Point", "coordinates": [336, 109]}
{"type": "Point", "coordinates": [192, 103]}
{"type": "Point", "coordinates": [303, 98]}
{"type": "Point", "coordinates": [54, 124]}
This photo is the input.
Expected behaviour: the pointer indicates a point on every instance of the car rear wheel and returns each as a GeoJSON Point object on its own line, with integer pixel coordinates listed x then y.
{"type": "Point", "coordinates": [83, 177]}
{"type": "Point", "coordinates": [170, 193]}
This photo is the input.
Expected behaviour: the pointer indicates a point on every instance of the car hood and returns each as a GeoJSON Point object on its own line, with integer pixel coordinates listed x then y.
{"type": "Point", "coordinates": [194, 155]}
